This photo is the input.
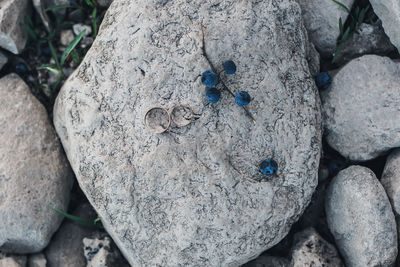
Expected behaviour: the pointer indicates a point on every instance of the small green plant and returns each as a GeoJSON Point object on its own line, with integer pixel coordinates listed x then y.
{"type": "Point", "coordinates": [95, 223]}
{"type": "Point", "coordinates": [357, 17]}
{"type": "Point", "coordinates": [57, 68]}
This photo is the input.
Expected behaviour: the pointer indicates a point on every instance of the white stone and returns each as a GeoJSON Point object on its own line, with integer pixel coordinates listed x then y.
{"type": "Point", "coordinates": [34, 173]}
{"type": "Point", "coordinates": [66, 37]}
{"type": "Point", "coordinates": [190, 195]}
{"type": "Point", "coordinates": [321, 18]}
{"type": "Point", "coordinates": [38, 260]}
{"type": "Point", "coordinates": [361, 219]}
{"type": "Point", "coordinates": [79, 27]}
{"type": "Point", "coordinates": [361, 108]}
{"type": "Point", "coordinates": [389, 12]}
{"type": "Point", "coordinates": [12, 35]}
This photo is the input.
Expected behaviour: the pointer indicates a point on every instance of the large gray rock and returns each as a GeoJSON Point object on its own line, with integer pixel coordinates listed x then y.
{"type": "Point", "coordinates": [34, 173]}
{"type": "Point", "coordinates": [389, 12]}
{"type": "Point", "coordinates": [321, 19]}
{"type": "Point", "coordinates": [361, 219]}
{"type": "Point", "coordinates": [310, 249]}
{"type": "Point", "coordinates": [370, 39]}
{"type": "Point", "coordinates": [12, 35]}
{"type": "Point", "coordinates": [391, 180]}
{"type": "Point", "coordinates": [66, 247]}
{"type": "Point", "coordinates": [361, 108]}
{"type": "Point", "coordinates": [190, 196]}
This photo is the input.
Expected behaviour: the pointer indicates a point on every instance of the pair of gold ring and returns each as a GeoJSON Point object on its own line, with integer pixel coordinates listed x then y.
{"type": "Point", "coordinates": [158, 119]}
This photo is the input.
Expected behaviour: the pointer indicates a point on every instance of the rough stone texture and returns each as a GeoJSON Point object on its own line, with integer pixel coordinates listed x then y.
{"type": "Point", "coordinates": [311, 250]}
{"type": "Point", "coordinates": [361, 108]}
{"type": "Point", "coordinates": [3, 60]}
{"type": "Point", "coordinates": [321, 19]}
{"type": "Point", "coordinates": [313, 59]}
{"type": "Point", "coordinates": [34, 173]}
{"type": "Point", "coordinates": [361, 219]}
{"type": "Point", "coordinates": [38, 260]}
{"type": "Point", "coordinates": [391, 182]}
{"type": "Point", "coordinates": [66, 37]}
{"type": "Point", "coordinates": [268, 261]}
{"type": "Point", "coordinates": [65, 248]}
{"type": "Point", "coordinates": [100, 251]}
{"type": "Point", "coordinates": [190, 196]}
{"type": "Point", "coordinates": [389, 12]}
{"type": "Point", "coordinates": [12, 35]}
{"type": "Point", "coordinates": [371, 39]}
{"type": "Point", "coordinates": [12, 260]}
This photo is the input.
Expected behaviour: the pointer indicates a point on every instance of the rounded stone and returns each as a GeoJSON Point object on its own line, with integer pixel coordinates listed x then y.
{"type": "Point", "coordinates": [185, 197]}
{"type": "Point", "coordinates": [361, 219]}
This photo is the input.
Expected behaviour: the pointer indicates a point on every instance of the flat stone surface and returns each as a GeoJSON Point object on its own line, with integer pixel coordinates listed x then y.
{"type": "Point", "coordinates": [389, 12]}
{"type": "Point", "coordinates": [34, 173]}
{"type": "Point", "coordinates": [12, 35]}
{"type": "Point", "coordinates": [311, 250]}
{"type": "Point", "coordinates": [268, 261]}
{"type": "Point", "coordinates": [321, 19]}
{"type": "Point", "coordinates": [361, 108]}
{"type": "Point", "coordinates": [190, 196]}
{"type": "Point", "coordinates": [361, 219]}
{"type": "Point", "coordinates": [391, 179]}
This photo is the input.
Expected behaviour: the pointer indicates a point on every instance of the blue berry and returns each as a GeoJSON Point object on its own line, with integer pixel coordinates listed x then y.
{"type": "Point", "coordinates": [242, 98]}
{"type": "Point", "coordinates": [268, 167]}
{"type": "Point", "coordinates": [213, 95]}
{"type": "Point", "coordinates": [209, 78]}
{"type": "Point", "coordinates": [323, 80]}
{"type": "Point", "coordinates": [21, 68]}
{"type": "Point", "coordinates": [229, 67]}
{"type": "Point", "coordinates": [45, 50]}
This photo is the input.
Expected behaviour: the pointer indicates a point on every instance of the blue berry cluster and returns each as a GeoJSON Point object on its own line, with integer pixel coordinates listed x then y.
{"type": "Point", "coordinates": [209, 79]}
{"type": "Point", "coordinates": [323, 80]}
{"type": "Point", "coordinates": [268, 167]}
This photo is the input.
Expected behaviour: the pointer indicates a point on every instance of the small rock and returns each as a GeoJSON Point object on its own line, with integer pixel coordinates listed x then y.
{"type": "Point", "coordinates": [391, 180]}
{"type": "Point", "coordinates": [389, 12]}
{"type": "Point", "coordinates": [12, 260]}
{"type": "Point", "coordinates": [13, 35]}
{"type": "Point", "coordinates": [40, 9]}
{"type": "Point", "coordinates": [78, 28]}
{"type": "Point", "coordinates": [361, 219]}
{"type": "Point", "coordinates": [100, 251]}
{"type": "Point", "coordinates": [268, 261]}
{"type": "Point", "coordinates": [65, 248]}
{"type": "Point", "coordinates": [37, 260]}
{"type": "Point", "coordinates": [3, 60]}
{"type": "Point", "coordinates": [66, 37]}
{"type": "Point", "coordinates": [361, 108]}
{"type": "Point", "coordinates": [370, 39]}
{"type": "Point", "coordinates": [34, 172]}
{"type": "Point", "coordinates": [310, 249]}
{"type": "Point", "coordinates": [321, 19]}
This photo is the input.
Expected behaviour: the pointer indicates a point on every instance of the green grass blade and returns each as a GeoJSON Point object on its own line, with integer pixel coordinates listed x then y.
{"type": "Point", "coordinates": [340, 27]}
{"type": "Point", "coordinates": [74, 218]}
{"type": "Point", "coordinates": [59, 7]}
{"type": "Point", "coordinates": [71, 47]}
{"type": "Point", "coordinates": [94, 18]}
{"type": "Point", "coordinates": [54, 55]}
{"type": "Point", "coordinates": [346, 35]}
{"type": "Point", "coordinates": [31, 33]}
{"type": "Point", "coordinates": [89, 3]}
{"type": "Point", "coordinates": [343, 6]}
{"type": "Point", "coordinates": [337, 52]}
{"type": "Point", "coordinates": [50, 68]}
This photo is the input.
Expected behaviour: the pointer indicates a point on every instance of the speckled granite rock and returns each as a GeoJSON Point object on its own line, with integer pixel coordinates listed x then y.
{"type": "Point", "coordinates": [361, 108]}
{"type": "Point", "coordinates": [34, 173]}
{"type": "Point", "coordinates": [391, 179]}
{"type": "Point", "coordinates": [190, 196]}
{"type": "Point", "coordinates": [361, 219]}
{"type": "Point", "coordinates": [311, 250]}
{"type": "Point", "coordinates": [12, 35]}
{"type": "Point", "coordinates": [321, 19]}
{"type": "Point", "coordinates": [370, 39]}
{"type": "Point", "coordinates": [389, 12]}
